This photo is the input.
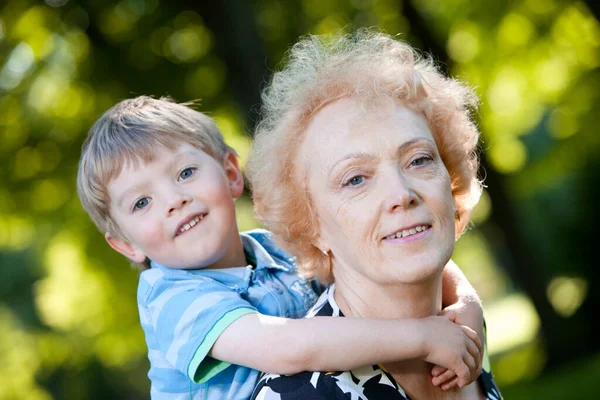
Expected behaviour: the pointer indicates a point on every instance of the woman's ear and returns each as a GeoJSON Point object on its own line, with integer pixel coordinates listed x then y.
{"type": "Point", "coordinates": [322, 245]}
{"type": "Point", "coordinates": [234, 174]}
{"type": "Point", "coordinates": [124, 247]}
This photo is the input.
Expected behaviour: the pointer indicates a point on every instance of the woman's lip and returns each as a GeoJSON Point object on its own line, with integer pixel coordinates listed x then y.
{"type": "Point", "coordinates": [408, 232]}
{"type": "Point", "coordinates": [407, 239]}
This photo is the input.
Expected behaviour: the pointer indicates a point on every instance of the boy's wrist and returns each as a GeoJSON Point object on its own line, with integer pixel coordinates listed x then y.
{"type": "Point", "coordinates": [421, 337]}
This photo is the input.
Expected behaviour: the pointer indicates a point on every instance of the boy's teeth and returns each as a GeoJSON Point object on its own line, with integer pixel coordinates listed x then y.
{"type": "Point", "coordinates": [190, 224]}
{"type": "Point", "coordinates": [408, 232]}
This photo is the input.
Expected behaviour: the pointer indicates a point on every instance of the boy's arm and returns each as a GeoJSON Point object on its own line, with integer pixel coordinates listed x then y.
{"type": "Point", "coordinates": [461, 303]}
{"type": "Point", "coordinates": [287, 346]}
{"type": "Point", "coordinates": [459, 296]}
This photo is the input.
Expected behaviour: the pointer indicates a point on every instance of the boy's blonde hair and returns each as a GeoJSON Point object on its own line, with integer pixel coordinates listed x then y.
{"type": "Point", "coordinates": [128, 133]}
{"type": "Point", "coordinates": [372, 67]}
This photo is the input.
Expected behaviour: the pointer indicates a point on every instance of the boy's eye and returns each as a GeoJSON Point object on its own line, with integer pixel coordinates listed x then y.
{"type": "Point", "coordinates": [355, 180]}
{"type": "Point", "coordinates": [186, 173]}
{"type": "Point", "coordinates": [141, 203]}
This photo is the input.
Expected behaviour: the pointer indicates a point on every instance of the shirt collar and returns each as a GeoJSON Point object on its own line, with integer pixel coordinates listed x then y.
{"type": "Point", "coordinates": [262, 258]}
{"type": "Point", "coordinates": [252, 248]}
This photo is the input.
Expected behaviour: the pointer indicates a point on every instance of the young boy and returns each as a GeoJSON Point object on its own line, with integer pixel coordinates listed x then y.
{"type": "Point", "coordinates": [217, 305]}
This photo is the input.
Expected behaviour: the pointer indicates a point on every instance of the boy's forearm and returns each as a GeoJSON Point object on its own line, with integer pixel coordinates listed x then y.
{"type": "Point", "coordinates": [287, 346]}
{"type": "Point", "coordinates": [461, 297]}
{"type": "Point", "coordinates": [456, 288]}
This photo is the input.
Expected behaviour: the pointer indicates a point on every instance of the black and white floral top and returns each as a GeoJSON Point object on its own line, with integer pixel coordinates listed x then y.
{"type": "Point", "coordinates": [367, 383]}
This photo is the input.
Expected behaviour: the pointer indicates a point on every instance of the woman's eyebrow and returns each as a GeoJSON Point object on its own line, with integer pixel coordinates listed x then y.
{"type": "Point", "coordinates": [357, 155]}
{"type": "Point", "coordinates": [366, 156]}
{"type": "Point", "coordinates": [413, 142]}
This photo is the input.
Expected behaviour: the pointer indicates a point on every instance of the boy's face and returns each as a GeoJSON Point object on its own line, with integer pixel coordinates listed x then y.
{"type": "Point", "coordinates": [178, 210]}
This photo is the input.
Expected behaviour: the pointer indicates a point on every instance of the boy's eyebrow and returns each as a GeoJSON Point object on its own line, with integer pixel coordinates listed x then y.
{"type": "Point", "coordinates": [179, 156]}
{"type": "Point", "coordinates": [121, 199]}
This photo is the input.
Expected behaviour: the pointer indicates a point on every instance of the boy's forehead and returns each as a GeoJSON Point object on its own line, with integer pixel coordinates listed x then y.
{"type": "Point", "coordinates": [130, 172]}
{"type": "Point", "coordinates": [155, 153]}
{"type": "Point", "coordinates": [129, 168]}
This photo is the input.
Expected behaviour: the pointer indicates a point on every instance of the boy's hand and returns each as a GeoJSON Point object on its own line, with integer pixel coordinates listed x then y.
{"type": "Point", "coordinates": [467, 313]}
{"type": "Point", "coordinates": [452, 346]}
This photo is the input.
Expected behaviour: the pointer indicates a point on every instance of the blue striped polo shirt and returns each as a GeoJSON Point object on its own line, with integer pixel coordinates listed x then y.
{"type": "Point", "coordinates": [183, 312]}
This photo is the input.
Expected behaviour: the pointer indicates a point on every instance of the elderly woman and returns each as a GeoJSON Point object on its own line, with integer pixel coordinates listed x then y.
{"type": "Point", "coordinates": [364, 167]}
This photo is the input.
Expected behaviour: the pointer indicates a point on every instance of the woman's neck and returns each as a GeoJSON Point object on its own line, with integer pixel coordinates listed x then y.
{"type": "Point", "coordinates": [360, 297]}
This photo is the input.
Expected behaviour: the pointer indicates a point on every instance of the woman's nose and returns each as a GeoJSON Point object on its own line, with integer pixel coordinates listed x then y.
{"type": "Point", "coordinates": [401, 194]}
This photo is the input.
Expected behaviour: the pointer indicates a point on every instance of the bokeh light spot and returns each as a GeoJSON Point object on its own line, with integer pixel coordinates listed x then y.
{"type": "Point", "coordinates": [72, 297]}
{"type": "Point", "coordinates": [21, 360]}
{"type": "Point", "coordinates": [17, 232]}
{"type": "Point", "coordinates": [551, 76]}
{"type": "Point", "coordinates": [563, 123]}
{"type": "Point", "coordinates": [229, 122]}
{"type": "Point", "coordinates": [515, 30]}
{"type": "Point", "coordinates": [10, 111]}
{"type": "Point", "coordinates": [331, 24]}
{"type": "Point", "coordinates": [511, 322]}
{"type": "Point", "coordinates": [206, 81]}
{"type": "Point", "coordinates": [44, 91]}
{"type": "Point", "coordinates": [48, 195]}
{"type": "Point", "coordinates": [318, 8]}
{"type": "Point", "coordinates": [522, 363]}
{"type": "Point", "coordinates": [463, 43]}
{"type": "Point", "coordinates": [508, 155]}
{"type": "Point", "coordinates": [505, 94]}
{"type": "Point", "coordinates": [189, 44]}
{"type": "Point", "coordinates": [117, 22]}
{"type": "Point", "coordinates": [567, 294]}
{"type": "Point", "coordinates": [541, 6]}
{"type": "Point", "coordinates": [244, 212]}
{"type": "Point", "coordinates": [27, 163]}
{"type": "Point", "coordinates": [483, 209]}
{"type": "Point", "coordinates": [19, 62]}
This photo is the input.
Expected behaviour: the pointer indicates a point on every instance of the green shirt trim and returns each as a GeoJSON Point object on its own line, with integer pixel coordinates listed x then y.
{"type": "Point", "coordinates": [202, 367]}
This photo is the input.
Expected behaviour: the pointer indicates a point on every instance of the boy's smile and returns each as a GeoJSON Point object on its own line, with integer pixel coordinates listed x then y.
{"type": "Point", "coordinates": [189, 223]}
{"type": "Point", "coordinates": [178, 209]}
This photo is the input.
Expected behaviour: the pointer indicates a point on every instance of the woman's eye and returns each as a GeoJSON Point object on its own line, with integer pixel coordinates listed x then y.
{"type": "Point", "coordinates": [186, 173]}
{"type": "Point", "coordinates": [355, 180]}
{"type": "Point", "coordinates": [141, 203]}
{"type": "Point", "coordinates": [421, 161]}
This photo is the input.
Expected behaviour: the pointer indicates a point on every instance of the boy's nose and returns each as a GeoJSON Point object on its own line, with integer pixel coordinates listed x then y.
{"type": "Point", "coordinates": [177, 202]}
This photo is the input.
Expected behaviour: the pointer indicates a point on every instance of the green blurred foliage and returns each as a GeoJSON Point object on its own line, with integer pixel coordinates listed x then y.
{"type": "Point", "coordinates": [69, 326]}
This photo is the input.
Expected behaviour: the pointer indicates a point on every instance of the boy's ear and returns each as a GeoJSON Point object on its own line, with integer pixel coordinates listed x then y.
{"type": "Point", "coordinates": [127, 249]}
{"type": "Point", "coordinates": [234, 175]}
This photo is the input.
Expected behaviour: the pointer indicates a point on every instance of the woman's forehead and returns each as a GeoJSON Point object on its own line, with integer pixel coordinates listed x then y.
{"type": "Point", "coordinates": [347, 126]}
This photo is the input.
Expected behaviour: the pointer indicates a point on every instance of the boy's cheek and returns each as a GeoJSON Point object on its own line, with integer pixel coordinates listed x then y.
{"type": "Point", "coordinates": [150, 237]}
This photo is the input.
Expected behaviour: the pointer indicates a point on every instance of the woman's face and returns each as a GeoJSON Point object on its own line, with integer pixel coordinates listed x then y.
{"type": "Point", "coordinates": [381, 192]}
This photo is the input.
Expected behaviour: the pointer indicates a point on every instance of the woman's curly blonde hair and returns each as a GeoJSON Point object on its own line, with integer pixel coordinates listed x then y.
{"type": "Point", "coordinates": [369, 66]}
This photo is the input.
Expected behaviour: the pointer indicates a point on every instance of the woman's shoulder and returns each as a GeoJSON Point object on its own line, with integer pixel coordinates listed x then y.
{"type": "Point", "coordinates": [365, 383]}
{"type": "Point", "coordinates": [325, 305]}
{"type": "Point", "coordinates": [304, 385]}
{"type": "Point", "coordinates": [490, 388]}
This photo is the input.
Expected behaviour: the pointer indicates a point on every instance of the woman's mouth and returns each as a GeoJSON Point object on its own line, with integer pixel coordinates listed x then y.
{"type": "Point", "coordinates": [189, 225]}
{"type": "Point", "coordinates": [408, 232]}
